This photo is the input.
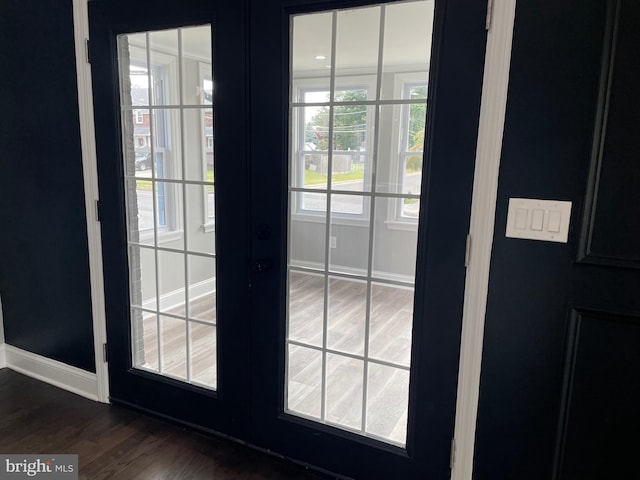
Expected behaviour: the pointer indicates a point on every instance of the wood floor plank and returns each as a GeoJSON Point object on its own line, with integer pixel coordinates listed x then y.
{"type": "Point", "coordinates": [391, 318]}
{"type": "Point", "coordinates": [115, 442]}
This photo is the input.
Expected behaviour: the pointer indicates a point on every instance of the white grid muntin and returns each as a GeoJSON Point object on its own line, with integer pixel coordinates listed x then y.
{"type": "Point", "coordinates": [172, 59]}
{"type": "Point", "coordinates": [326, 270]}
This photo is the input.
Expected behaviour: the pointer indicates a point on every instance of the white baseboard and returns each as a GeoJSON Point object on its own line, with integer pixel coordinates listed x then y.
{"type": "Point", "coordinates": [394, 277]}
{"type": "Point", "coordinates": [175, 298]}
{"type": "Point", "coordinates": [50, 371]}
{"type": "Point", "coordinates": [3, 358]}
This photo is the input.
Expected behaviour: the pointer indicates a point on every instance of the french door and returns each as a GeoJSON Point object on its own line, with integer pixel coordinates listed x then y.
{"type": "Point", "coordinates": [285, 195]}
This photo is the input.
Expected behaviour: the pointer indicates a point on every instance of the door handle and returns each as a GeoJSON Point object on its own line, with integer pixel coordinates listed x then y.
{"type": "Point", "coordinates": [262, 265]}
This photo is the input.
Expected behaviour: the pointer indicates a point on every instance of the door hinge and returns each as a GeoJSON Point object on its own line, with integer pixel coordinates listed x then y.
{"type": "Point", "coordinates": [467, 252]}
{"type": "Point", "coordinates": [105, 356]}
{"type": "Point", "coordinates": [87, 50]}
{"type": "Point", "coordinates": [98, 211]}
{"type": "Point", "coordinates": [489, 12]}
{"type": "Point", "coordinates": [452, 457]}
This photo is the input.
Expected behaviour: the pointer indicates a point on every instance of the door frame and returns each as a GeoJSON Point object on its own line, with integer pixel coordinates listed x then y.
{"type": "Point", "coordinates": [483, 208]}
{"type": "Point", "coordinates": [91, 194]}
{"type": "Point", "coordinates": [500, 19]}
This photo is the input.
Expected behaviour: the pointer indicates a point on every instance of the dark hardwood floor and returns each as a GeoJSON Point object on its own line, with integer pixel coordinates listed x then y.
{"type": "Point", "coordinates": [117, 443]}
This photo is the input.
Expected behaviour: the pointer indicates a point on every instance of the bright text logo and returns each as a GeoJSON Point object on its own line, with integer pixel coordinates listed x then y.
{"type": "Point", "coordinates": [51, 467]}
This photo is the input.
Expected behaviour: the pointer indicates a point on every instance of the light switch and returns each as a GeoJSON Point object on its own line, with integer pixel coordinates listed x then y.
{"type": "Point", "coordinates": [537, 219]}
{"type": "Point", "coordinates": [546, 220]}
{"type": "Point", "coordinates": [521, 218]}
{"type": "Point", "coordinates": [554, 221]}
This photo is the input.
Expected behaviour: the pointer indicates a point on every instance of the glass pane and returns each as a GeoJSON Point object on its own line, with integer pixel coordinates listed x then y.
{"type": "Point", "coordinates": [352, 144]}
{"type": "Point", "coordinates": [349, 242]}
{"type": "Point", "coordinates": [306, 307]}
{"type": "Point", "coordinates": [304, 385]}
{"type": "Point", "coordinates": [357, 46]}
{"type": "Point", "coordinates": [412, 181]}
{"type": "Point", "coordinates": [210, 193]}
{"type": "Point", "coordinates": [162, 146]}
{"type": "Point", "coordinates": [307, 236]}
{"type": "Point", "coordinates": [313, 203]}
{"type": "Point", "coordinates": [137, 143]}
{"type": "Point", "coordinates": [171, 282]}
{"type": "Point", "coordinates": [174, 347]}
{"type": "Point", "coordinates": [387, 402]}
{"type": "Point", "coordinates": [198, 144]}
{"type": "Point", "coordinates": [309, 157]}
{"type": "Point", "coordinates": [139, 197]}
{"type": "Point", "coordinates": [202, 288]}
{"type": "Point", "coordinates": [344, 391]}
{"type": "Point", "coordinates": [410, 209]}
{"type": "Point", "coordinates": [411, 166]}
{"type": "Point", "coordinates": [391, 323]}
{"type": "Point", "coordinates": [339, 133]}
{"type": "Point", "coordinates": [200, 220]}
{"type": "Point", "coordinates": [142, 277]}
{"type": "Point", "coordinates": [348, 204]}
{"type": "Point", "coordinates": [347, 314]}
{"type": "Point", "coordinates": [163, 46]}
{"type": "Point", "coordinates": [311, 49]}
{"type": "Point", "coordinates": [407, 44]}
{"type": "Point", "coordinates": [132, 55]}
{"type": "Point", "coordinates": [400, 155]}
{"type": "Point", "coordinates": [417, 91]}
{"type": "Point", "coordinates": [394, 252]}
{"type": "Point", "coordinates": [203, 354]}
{"type": "Point", "coordinates": [167, 144]}
{"type": "Point", "coordinates": [196, 65]}
{"type": "Point", "coordinates": [169, 214]}
{"type": "Point", "coordinates": [145, 339]}
{"type": "Point", "coordinates": [390, 141]}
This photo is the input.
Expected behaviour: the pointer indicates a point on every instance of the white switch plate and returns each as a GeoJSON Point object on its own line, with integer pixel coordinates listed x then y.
{"type": "Point", "coordinates": [546, 220]}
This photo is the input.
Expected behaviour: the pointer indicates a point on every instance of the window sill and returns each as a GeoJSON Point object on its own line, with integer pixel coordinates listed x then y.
{"type": "Point", "coordinates": [356, 221]}
{"type": "Point", "coordinates": [404, 225]}
{"type": "Point", "coordinates": [209, 227]}
{"type": "Point", "coordinates": [167, 236]}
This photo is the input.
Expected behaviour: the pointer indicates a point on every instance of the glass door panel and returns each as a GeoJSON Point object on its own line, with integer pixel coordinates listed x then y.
{"type": "Point", "coordinates": [167, 124]}
{"type": "Point", "coordinates": [358, 115]}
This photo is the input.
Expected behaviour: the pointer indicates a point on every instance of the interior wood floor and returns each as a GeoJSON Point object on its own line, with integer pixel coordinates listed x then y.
{"type": "Point", "coordinates": [117, 443]}
{"type": "Point", "coordinates": [389, 341]}
{"type": "Point", "coordinates": [387, 386]}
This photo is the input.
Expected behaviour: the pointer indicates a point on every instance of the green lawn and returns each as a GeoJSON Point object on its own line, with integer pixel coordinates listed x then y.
{"type": "Point", "coordinates": [315, 178]}
{"type": "Point", "coordinates": [146, 184]}
{"type": "Point", "coordinates": [143, 185]}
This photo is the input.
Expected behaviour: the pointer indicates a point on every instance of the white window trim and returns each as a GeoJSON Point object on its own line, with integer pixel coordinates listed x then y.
{"type": "Point", "coordinates": [208, 220]}
{"type": "Point", "coordinates": [321, 83]}
{"type": "Point", "coordinates": [395, 221]}
{"type": "Point", "coordinates": [173, 215]}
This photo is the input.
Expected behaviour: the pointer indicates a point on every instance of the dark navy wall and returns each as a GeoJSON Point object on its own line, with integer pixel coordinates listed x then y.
{"type": "Point", "coordinates": [548, 407]}
{"type": "Point", "coordinates": [44, 267]}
